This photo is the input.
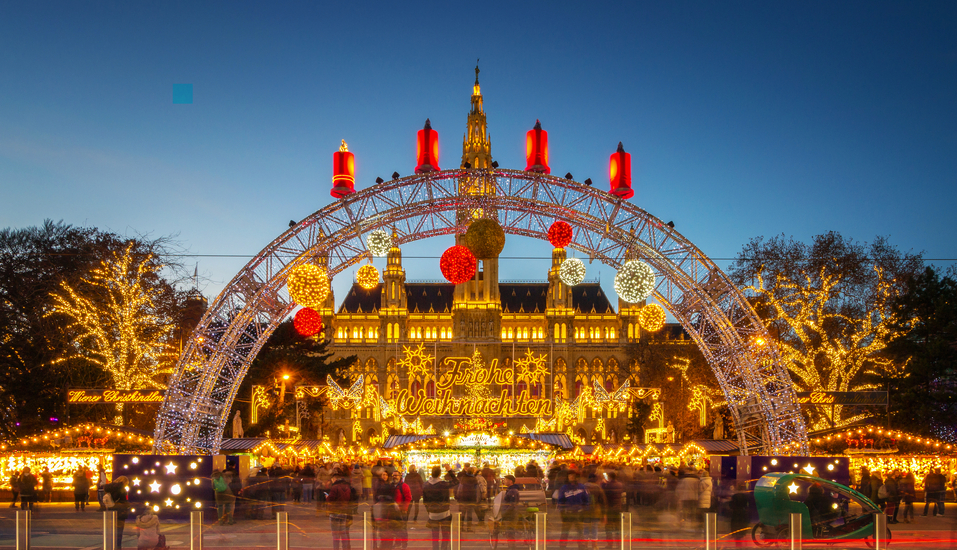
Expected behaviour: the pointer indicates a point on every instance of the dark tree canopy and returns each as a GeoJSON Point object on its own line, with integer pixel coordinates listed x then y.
{"type": "Point", "coordinates": [924, 398]}
{"type": "Point", "coordinates": [307, 361]}
{"type": "Point", "coordinates": [34, 261]}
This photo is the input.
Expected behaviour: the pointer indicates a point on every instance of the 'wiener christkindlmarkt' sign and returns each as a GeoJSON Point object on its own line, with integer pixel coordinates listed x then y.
{"type": "Point", "coordinates": [95, 397]}
{"type": "Point", "coordinates": [842, 397]}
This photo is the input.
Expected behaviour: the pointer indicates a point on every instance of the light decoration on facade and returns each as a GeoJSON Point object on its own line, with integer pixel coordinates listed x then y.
{"type": "Point", "coordinates": [168, 484]}
{"type": "Point", "coordinates": [307, 322]}
{"type": "Point", "coordinates": [339, 397]}
{"type": "Point", "coordinates": [367, 276]}
{"type": "Point", "coordinates": [417, 361]}
{"type": "Point", "coordinates": [416, 427]}
{"type": "Point", "coordinates": [618, 399]}
{"type": "Point", "coordinates": [532, 368]}
{"type": "Point", "coordinates": [652, 317]}
{"type": "Point", "coordinates": [635, 281]}
{"type": "Point", "coordinates": [478, 440]}
{"type": "Point", "coordinates": [572, 271]}
{"type": "Point", "coordinates": [872, 432]}
{"type": "Point", "coordinates": [560, 234]}
{"type": "Point", "coordinates": [308, 285]}
{"type": "Point", "coordinates": [458, 264]}
{"type": "Point", "coordinates": [379, 242]}
{"type": "Point", "coordinates": [485, 238]}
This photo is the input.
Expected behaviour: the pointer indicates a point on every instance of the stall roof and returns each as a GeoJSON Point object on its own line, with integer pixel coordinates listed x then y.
{"type": "Point", "coordinates": [397, 440]}
{"type": "Point", "coordinates": [558, 439]}
{"type": "Point", "coordinates": [242, 444]}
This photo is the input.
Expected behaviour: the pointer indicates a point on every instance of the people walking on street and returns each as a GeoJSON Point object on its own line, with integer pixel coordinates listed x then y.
{"type": "Point", "coordinates": [414, 481]}
{"type": "Point", "coordinates": [687, 492]}
{"type": "Point", "coordinates": [117, 501]}
{"type": "Point", "coordinates": [46, 481]}
{"type": "Point", "coordinates": [14, 487]}
{"type": "Point", "coordinates": [81, 490]}
{"type": "Point", "coordinates": [935, 484]}
{"type": "Point", "coordinates": [403, 499]}
{"type": "Point", "coordinates": [613, 507]}
{"type": "Point", "coordinates": [595, 512]}
{"type": "Point", "coordinates": [572, 502]}
{"type": "Point", "coordinates": [341, 501]}
{"type": "Point", "coordinates": [510, 513]}
{"type": "Point", "coordinates": [101, 483]}
{"type": "Point", "coordinates": [28, 489]}
{"type": "Point", "coordinates": [705, 494]}
{"type": "Point", "coordinates": [908, 492]}
{"type": "Point", "coordinates": [467, 495]}
{"type": "Point", "coordinates": [435, 496]}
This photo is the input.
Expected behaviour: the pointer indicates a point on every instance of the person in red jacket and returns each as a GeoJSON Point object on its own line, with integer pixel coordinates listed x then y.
{"type": "Point", "coordinates": [403, 498]}
{"type": "Point", "coordinates": [341, 499]}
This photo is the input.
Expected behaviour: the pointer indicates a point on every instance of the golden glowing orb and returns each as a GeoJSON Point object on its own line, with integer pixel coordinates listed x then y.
{"type": "Point", "coordinates": [308, 285]}
{"type": "Point", "coordinates": [367, 277]}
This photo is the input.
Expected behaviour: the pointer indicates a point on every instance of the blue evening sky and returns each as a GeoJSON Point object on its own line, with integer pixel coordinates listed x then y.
{"type": "Point", "coordinates": [743, 119]}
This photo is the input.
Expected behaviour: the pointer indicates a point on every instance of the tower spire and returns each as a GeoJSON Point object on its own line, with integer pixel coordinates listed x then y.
{"type": "Point", "coordinates": [477, 147]}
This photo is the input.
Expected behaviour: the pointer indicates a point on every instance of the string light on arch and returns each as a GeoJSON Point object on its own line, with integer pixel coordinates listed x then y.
{"type": "Point", "coordinates": [634, 281]}
{"type": "Point", "coordinates": [367, 277]}
{"type": "Point", "coordinates": [308, 285]}
{"type": "Point", "coordinates": [652, 317]}
{"type": "Point", "coordinates": [379, 242]}
{"type": "Point", "coordinates": [572, 271]}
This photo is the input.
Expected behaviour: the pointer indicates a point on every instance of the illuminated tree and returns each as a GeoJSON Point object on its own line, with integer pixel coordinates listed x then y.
{"type": "Point", "coordinates": [113, 313]}
{"type": "Point", "coordinates": [828, 307]}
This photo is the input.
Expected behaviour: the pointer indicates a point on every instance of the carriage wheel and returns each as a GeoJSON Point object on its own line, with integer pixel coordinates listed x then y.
{"type": "Point", "coordinates": [762, 535]}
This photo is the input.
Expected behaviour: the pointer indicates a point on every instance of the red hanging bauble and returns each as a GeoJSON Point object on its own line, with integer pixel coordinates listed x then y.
{"type": "Point", "coordinates": [560, 234]}
{"type": "Point", "coordinates": [458, 264]}
{"type": "Point", "coordinates": [307, 322]}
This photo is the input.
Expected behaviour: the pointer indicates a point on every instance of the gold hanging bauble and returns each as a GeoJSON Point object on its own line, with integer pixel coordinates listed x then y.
{"type": "Point", "coordinates": [308, 285]}
{"type": "Point", "coordinates": [368, 277]}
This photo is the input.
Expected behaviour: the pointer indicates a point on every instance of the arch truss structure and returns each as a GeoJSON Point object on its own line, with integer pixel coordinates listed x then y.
{"type": "Point", "coordinates": [696, 292]}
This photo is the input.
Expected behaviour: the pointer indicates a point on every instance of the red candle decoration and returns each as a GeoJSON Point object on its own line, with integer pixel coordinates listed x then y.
{"type": "Point", "coordinates": [560, 234]}
{"type": "Point", "coordinates": [343, 172]}
{"type": "Point", "coordinates": [427, 152]}
{"type": "Point", "coordinates": [619, 171]}
{"type": "Point", "coordinates": [458, 264]}
{"type": "Point", "coordinates": [307, 322]}
{"type": "Point", "coordinates": [536, 150]}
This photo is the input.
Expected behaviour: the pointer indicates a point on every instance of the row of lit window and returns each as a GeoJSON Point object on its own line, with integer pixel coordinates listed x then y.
{"type": "Point", "coordinates": [594, 333]}
{"type": "Point", "coordinates": [357, 333]}
{"type": "Point", "coordinates": [523, 333]}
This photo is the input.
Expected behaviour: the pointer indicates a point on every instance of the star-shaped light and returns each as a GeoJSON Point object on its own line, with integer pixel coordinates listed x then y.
{"type": "Point", "coordinates": [793, 488]}
{"type": "Point", "coordinates": [809, 469]}
{"type": "Point", "coordinates": [155, 487]}
{"type": "Point", "coordinates": [171, 468]}
{"type": "Point", "coordinates": [136, 482]}
{"type": "Point", "coordinates": [168, 502]}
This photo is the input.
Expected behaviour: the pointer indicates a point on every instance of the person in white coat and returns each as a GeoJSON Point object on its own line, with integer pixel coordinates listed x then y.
{"type": "Point", "coordinates": [705, 490]}
{"type": "Point", "coordinates": [147, 531]}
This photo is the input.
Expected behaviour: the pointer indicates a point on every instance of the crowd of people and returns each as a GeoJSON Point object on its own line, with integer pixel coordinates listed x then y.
{"type": "Point", "coordinates": [896, 491]}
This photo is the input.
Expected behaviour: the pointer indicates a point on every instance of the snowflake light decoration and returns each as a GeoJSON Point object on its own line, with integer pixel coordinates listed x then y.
{"type": "Point", "coordinates": [308, 285]}
{"type": "Point", "coordinates": [416, 360]}
{"type": "Point", "coordinates": [367, 276]}
{"type": "Point", "coordinates": [531, 368]}
{"type": "Point", "coordinates": [652, 317]}
{"type": "Point", "coordinates": [353, 397]}
{"type": "Point", "coordinates": [572, 271]}
{"type": "Point", "coordinates": [379, 242]}
{"type": "Point", "coordinates": [635, 281]}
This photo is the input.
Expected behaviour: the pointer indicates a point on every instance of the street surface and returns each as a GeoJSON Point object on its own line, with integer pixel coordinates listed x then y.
{"type": "Point", "coordinates": [57, 525]}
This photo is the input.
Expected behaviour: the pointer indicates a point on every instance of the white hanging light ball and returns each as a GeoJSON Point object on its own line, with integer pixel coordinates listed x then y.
{"type": "Point", "coordinates": [572, 271]}
{"type": "Point", "coordinates": [379, 242]}
{"type": "Point", "coordinates": [635, 281]}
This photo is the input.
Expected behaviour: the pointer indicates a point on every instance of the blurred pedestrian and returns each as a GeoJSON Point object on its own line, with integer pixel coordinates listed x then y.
{"type": "Point", "coordinates": [28, 489]}
{"type": "Point", "coordinates": [46, 481]}
{"type": "Point", "coordinates": [147, 531]}
{"type": "Point", "coordinates": [435, 496]}
{"type": "Point", "coordinates": [908, 492]}
{"type": "Point", "coordinates": [15, 487]}
{"type": "Point", "coordinates": [81, 490]}
{"type": "Point", "coordinates": [414, 480]}
{"type": "Point", "coordinates": [595, 512]}
{"type": "Point", "coordinates": [613, 507]}
{"type": "Point", "coordinates": [118, 502]}
{"type": "Point", "coordinates": [687, 492]}
{"type": "Point", "coordinates": [341, 500]}
{"type": "Point", "coordinates": [572, 502]}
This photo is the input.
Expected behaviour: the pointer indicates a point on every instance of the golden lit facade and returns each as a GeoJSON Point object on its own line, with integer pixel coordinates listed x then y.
{"type": "Point", "coordinates": [554, 347]}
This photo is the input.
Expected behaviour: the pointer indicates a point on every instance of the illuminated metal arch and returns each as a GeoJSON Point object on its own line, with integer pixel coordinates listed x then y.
{"type": "Point", "coordinates": [696, 292]}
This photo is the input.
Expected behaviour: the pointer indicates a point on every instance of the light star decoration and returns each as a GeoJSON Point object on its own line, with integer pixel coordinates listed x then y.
{"type": "Point", "coordinates": [416, 360]}
{"type": "Point", "coordinates": [793, 488]}
{"type": "Point", "coordinates": [136, 482]}
{"type": "Point", "coordinates": [171, 468]}
{"type": "Point", "coordinates": [531, 369]}
{"type": "Point", "coordinates": [155, 487]}
{"type": "Point", "coordinates": [809, 469]}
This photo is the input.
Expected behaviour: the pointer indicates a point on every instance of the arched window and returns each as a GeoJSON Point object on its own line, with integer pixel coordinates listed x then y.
{"type": "Point", "coordinates": [579, 386]}
{"type": "Point", "coordinates": [564, 332]}
{"type": "Point", "coordinates": [611, 333]}
{"type": "Point", "coordinates": [415, 387]}
{"type": "Point", "coordinates": [631, 330]}
{"type": "Point", "coordinates": [520, 387]}
{"type": "Point", "coordinates": [536, 390]}
{"type": "Point", "coordinates": [558, 332]}
{"type": "Point", "coordinates": [388, 332]}
{"type": "Point", "coordinates": [430, 389]}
